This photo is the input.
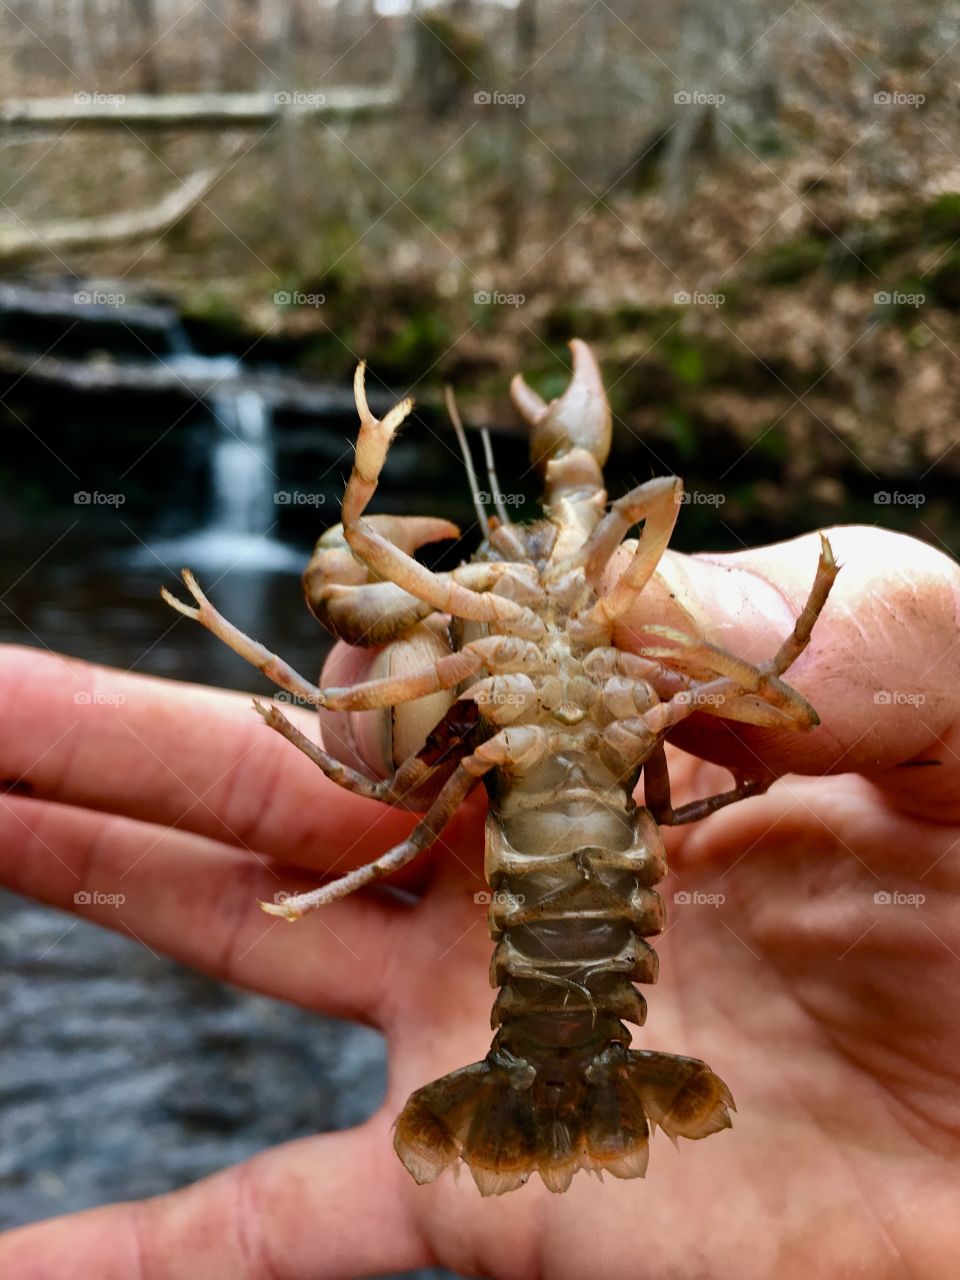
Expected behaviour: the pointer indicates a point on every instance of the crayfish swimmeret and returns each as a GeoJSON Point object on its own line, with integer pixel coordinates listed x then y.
{"type": "Point", "coordinates": [506, 669]}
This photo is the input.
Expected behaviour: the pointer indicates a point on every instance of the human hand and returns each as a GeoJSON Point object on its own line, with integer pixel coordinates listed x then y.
{"type": "Point", "coordinates": [834, 1017]}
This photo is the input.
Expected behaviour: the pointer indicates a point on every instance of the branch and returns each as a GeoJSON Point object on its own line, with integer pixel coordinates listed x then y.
{"type": "Point", "coordinates": [19, 243]}
{"type": "Point", "coordinates": [193, 110]}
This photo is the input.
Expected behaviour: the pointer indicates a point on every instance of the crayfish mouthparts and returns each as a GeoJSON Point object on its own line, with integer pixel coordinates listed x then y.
{"type": "Point", "coordinates": [508, 669]}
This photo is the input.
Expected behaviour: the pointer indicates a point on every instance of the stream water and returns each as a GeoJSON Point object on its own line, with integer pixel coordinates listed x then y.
{"type": "Point", "coordinates": [126, 1074]}
{"type": "Point", "coordinates": [243, 477]}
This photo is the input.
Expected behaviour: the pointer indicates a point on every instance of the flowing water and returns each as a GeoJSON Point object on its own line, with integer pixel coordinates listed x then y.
{"type": "Point", "coordinates": [126, 1074]}
{"type": "Point", "coordinates": [243, 480]}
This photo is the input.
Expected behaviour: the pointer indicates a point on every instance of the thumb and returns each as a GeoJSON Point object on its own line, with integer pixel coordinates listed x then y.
{"type": "Point", "coordinates": [882, 668]}
{"type": "Point", "coordinates": [302, 1211]}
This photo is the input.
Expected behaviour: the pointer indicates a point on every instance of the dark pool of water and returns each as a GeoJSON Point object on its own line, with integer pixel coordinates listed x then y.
{"type": "Point", "coordinates": [126, 1074]}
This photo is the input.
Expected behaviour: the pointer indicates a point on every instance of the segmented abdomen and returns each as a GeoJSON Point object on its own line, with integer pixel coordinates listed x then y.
{"type": "Point", "coordinates": [571, 864]}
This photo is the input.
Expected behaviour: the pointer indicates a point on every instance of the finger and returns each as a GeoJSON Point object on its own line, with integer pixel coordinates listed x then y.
{"type": "Point", "coordinates": [882, 668]}
{"type": "Point", "coordinates": [346, 664]}
{"type": "Point", "coordinates": [178, 755]}
{"type": "Point", "coordinates": [197, 902]}
{"type": "Point", "coordinates": [302, 1211]}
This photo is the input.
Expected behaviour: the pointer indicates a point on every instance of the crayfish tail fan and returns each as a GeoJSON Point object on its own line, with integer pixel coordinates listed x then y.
{"type": "Point", "coordinates": [506, 1119]}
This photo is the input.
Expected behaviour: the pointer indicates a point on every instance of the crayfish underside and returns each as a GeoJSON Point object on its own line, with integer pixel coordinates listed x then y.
{"type": "Point", "coordinates": [506, 669]}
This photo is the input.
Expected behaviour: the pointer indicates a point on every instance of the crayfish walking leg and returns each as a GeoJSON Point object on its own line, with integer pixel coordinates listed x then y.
{"type": "Point", "coordinates": [506, 670]}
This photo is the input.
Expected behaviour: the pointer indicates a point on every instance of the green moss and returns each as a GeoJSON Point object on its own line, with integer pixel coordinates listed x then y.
{"type": "Point", "coordinates": [419, 341]}
{"type": "Point", "coordinates": [333, 256]}
{"type": "Point", "coordinates": [902, 302]}
{"type": "Point", "coordinates": [567, 320]}
{"type": "Point", "coordinates": [941, 217]}
{"type": "Point", "coordinates": [787, 263]}
{"type": "Point", "coordinates": [681, 432]}
{"type": "Point", "coordinates": [211, 304]}
{"type": "Point", "coordinates": [772, 444]}
{"type": "Point", "coordinates": [552, 384]}
{"type": "Point", "coordinates": [942, 285]}
{"type": "Point", "coordinates": [687, 361]}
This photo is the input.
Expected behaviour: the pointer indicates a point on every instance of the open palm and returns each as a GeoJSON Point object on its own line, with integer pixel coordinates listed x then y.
{"type": "Point", "coordinates": [810, 957]}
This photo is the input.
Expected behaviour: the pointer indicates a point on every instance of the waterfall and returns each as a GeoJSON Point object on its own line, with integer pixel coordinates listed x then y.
{"type": "Point", "coordinates": [242, 463]}
{"type": "Point", "coordinates": [243, 479]}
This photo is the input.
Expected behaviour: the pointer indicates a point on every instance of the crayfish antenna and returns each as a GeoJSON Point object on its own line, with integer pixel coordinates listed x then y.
{"type": "Point", "coordinates": [467, 457]}
{"type": "Point", "coordinates": [502, 512]}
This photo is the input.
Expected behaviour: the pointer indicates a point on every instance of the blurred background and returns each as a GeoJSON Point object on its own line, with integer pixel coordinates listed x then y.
{"type": "Point", "coordinates": [211, 209]}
